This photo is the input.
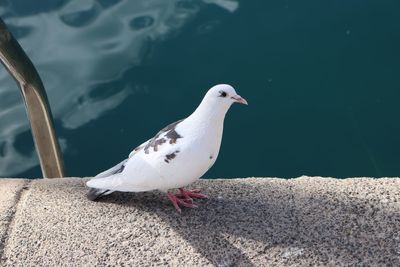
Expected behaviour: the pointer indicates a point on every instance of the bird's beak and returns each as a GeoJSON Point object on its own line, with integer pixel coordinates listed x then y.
{"type": "Point", "coordinates": [239, 99]}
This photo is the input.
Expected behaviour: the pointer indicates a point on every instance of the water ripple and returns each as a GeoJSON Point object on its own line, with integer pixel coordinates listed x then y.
{"type": "Point", "coordinates": [80, 48]}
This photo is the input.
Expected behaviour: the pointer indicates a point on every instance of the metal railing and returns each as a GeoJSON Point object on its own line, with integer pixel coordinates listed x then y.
{"type": "Point", "coordinates": [14, 59]}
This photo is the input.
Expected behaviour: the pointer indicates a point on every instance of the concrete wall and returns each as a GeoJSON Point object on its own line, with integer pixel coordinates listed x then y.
{"type": "Point", "coordinates": [246, 222]}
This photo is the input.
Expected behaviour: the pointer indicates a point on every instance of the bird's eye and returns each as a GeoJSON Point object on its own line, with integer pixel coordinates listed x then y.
{"type": "Point", "coordinates": [222, 94]}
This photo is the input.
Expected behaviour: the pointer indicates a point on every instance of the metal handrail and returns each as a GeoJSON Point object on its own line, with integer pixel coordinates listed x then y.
{"type": "Point", "coordinates": [14, 59]}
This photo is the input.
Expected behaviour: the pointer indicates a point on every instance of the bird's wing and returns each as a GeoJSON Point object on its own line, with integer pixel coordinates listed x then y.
{"type": "Point", "coordinates": [137, 149]}
{"type": "Point", "coordinates": [135, 173]}
{"type": "Point", "coordinates": [167, 132]}
{"type": "Point", "coordinates": [119, 168]}
{"type": "Point", "coordinates": [114, 170]}
{"type": "Point", "coordinates": [155, 141]}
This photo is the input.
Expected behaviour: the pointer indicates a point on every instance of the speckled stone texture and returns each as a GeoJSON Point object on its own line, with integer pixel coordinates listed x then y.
{"type": "Point", "coordinates": [10, 191]}
{"type": "Point", "coordinates": [246, 222]}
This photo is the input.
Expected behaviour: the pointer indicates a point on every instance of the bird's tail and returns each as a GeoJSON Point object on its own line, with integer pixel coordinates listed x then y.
{"type": "Point", "coordinates": [95, 193]}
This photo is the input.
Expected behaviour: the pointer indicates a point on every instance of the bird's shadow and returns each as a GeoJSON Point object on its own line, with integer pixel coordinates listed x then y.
{"type": "Point", "coordinates": [244, 224]}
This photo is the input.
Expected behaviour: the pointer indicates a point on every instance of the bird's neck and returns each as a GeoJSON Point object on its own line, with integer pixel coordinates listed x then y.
{"type": "Point", "coordinates": [209, 114]}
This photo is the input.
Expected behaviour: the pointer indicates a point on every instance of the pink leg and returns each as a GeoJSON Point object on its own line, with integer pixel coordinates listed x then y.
{"type": "Point", "coordinates": [188, 195]}
{"type": "Point", "coordinates": [177, 201]}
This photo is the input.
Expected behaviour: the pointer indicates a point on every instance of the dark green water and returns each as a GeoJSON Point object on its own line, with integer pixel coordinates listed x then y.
{"type": "Point", "coordinates": [322, 79]}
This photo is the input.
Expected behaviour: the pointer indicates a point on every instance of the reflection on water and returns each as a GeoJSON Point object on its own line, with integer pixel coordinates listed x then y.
{"type": "Point", "coordinates": [80, 48]}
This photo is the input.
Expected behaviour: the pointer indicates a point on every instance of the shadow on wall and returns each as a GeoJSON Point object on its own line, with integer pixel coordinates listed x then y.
{"type": "Point", "coordinates": [79, 47]}
{"type": "Point", "coordinates": [282, 225]}
{"type": "Point", "coordinates": [245, 223]}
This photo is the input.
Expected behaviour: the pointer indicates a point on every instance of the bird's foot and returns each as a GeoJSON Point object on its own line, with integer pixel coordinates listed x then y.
{"type": "Point", "coordinates": [178, 201]}
{"type": "Point", "coordinates": [188, 195]}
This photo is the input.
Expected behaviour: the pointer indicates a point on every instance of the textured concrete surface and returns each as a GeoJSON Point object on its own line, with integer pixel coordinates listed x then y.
{"type": "Point", "coordinates": [10, 191]}
{"type": "Point", "coordinates": [246, 222]}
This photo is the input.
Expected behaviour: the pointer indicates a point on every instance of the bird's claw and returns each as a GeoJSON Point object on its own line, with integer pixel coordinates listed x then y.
{"type": "Point", "coordinates": [190, 194]}
{"type": "Point", "coordinates": [185, 198]}
{"type": "Point", "coordinates": [178, 201]}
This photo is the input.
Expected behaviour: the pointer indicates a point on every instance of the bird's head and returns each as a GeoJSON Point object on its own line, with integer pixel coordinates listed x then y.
{"type": "Point", "coordinates": [224, 94]}
{"type": "Point", "coordinates": [216, 103]}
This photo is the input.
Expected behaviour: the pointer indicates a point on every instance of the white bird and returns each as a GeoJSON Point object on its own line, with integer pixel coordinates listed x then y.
{"type": "Point", "coordinates": [177, 156]}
